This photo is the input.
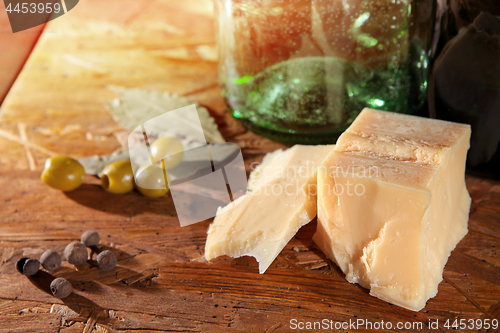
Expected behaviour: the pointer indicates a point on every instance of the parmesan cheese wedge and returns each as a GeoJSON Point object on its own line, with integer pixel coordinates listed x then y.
{"type": "Point", "coordinates": [392, 203]}
{"type": "Point", "coordinates": [281, 198]}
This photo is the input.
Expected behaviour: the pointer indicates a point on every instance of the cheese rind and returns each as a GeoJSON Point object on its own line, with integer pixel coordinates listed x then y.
{"type": "Point", "coordinates": [281, 199]}
{"type": "Point", "coordinates": [407, 209]}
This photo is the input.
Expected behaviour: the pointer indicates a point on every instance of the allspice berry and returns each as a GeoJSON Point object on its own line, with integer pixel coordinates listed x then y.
{"type": "Point", "coordinates": [61, 288]}
{"type": "Point", "coordinates": [28, 266]}
{"type": "Point", "coordinates": [50, 260]}
{"type": "Point", "coordinates": [90, 238]}
{"type": "Point", "coordinates": [106, 260]}
{"type": "Point", "coordinates": [76, 253]}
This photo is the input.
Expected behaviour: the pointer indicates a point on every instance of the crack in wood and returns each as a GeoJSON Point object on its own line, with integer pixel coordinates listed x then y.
{"type": "Point", "coordinates": [200, 89]}
{"type": "Point", "coordinates": [273, 328]}
{"type": "Point", "coordinates": [483, 234]}
{"type": "Point", "coordinates": [7, 254]}
{"type": "Point", "coordinates": [24, 137]}
{"type": "Point", "coordinates": [470, 299]}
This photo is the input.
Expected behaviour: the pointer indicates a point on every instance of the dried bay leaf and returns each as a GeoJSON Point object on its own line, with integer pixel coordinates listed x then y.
{"type": "Point", "coordinates": [136, 106]}
{"type": "Point", "coordinates": [94, 165]}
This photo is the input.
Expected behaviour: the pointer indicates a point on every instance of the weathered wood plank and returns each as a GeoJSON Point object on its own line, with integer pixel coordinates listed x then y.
{"type": "Point", "coordinates": [471, 285]}
{"type": "Point", "coordinates": [162, 282]}
{"type": "Point", "coordinates": [33, 322]}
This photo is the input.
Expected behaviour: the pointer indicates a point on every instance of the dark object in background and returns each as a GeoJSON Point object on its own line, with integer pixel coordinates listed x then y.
{"type": "Point", "coordinates": [460, 14]}
{"type": "Point", "coordinates": [465, 88]}
{"type": "Point", "coordinates": [466, 11]}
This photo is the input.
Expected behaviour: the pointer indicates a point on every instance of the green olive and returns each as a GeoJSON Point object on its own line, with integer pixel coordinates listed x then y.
{"type": "Point", "coordinates": [150, 181]}
{"type": "Point", "coordinates": [118, 177]}
{"type": "Point", "coordinates": [170, 150]}
{"type": "Point", "coordinates": [63, 173]}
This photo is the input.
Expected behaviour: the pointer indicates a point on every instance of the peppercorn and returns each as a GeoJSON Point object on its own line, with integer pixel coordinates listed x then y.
{"type": "Point", "coordinates": [61, 288]}
{"type": "Point", "coordinates": [90, 238]}
{"type": "Point", "coordinates": [50, 260]}
{"type": "Point", "coordinates": [106, 260]}
{"type": "Point", "coordinates": [76, 253]}
{"type": "Point", "coordinates": [28, 266]}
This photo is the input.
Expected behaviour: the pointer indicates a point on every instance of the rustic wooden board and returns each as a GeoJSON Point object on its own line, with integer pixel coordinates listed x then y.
{"type": "Point", "coordinates": [162, 282]}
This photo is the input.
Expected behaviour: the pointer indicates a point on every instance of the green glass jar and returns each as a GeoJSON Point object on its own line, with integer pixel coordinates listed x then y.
{"type": "Point", "coordinates": [301, 70]}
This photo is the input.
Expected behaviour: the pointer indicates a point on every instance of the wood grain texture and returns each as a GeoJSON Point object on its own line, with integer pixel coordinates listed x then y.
{"type": "Point", "coordinates": [162, 282]}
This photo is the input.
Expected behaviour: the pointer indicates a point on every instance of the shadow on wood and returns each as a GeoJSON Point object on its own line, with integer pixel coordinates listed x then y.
{"type": "Point", "coordinates": [130, 204]}
{"type": "Point", "coordinates": [42, 281]}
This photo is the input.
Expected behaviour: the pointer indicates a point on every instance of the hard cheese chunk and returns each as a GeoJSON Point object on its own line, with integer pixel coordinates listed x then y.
{"type": "Point", "coordinates": [392, 203]}
{"type": "Point", "coordinates": [280, 200]}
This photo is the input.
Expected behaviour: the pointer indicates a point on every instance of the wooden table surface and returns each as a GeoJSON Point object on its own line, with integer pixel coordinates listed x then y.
{"type": "Point", "coordinates": [162, 282]}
